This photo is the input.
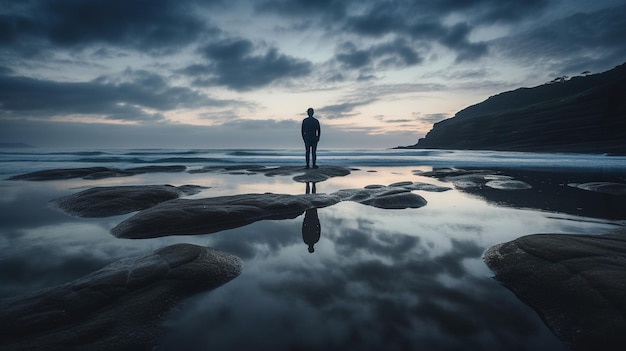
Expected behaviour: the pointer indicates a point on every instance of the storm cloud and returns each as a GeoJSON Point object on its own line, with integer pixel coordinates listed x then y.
{"type": "Point", "coordinates": [193, 62]}
{"type": "Point", "coordinates": [117, 100]}
{"type": "Point", "coordinates": [233, 63]}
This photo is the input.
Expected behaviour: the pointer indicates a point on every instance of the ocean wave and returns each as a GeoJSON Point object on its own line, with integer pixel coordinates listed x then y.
{"type": "Point", "coordinates": [155, 160]}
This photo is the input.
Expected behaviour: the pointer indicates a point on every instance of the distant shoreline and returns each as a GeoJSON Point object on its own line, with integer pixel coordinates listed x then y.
{"type": "Point", "coordinates": [543, 151]}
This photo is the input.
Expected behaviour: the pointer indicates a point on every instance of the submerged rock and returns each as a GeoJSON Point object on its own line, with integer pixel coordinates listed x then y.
{"type": "Point", "coordinates": [602, 187]}
{"type": "Point", "coordinates": [94, 172]}
{"type": "Point", "coordinates": [508, 185]}
{"type": "Point", "coordinates": [469, 179]}
{"type": "Point", "coordinates": [302, 175]}
{"type": "Point", "coordinates": [119, 307]}
{"type": "Point", "coordinates": [577, 284]}
{"type": "Point", "coordinates": [210, 215]}
{"type": "Point", "coordinates": [117, 200]}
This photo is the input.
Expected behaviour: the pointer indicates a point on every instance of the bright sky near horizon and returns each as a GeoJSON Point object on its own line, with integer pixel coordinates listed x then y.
{"type": "Point", "coordinates": [242, 73]}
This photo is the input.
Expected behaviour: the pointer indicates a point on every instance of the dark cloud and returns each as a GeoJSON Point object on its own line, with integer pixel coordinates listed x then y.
{"type": "Point", "coordinates": [141, 24]}
{"type": "Point", "coordinates": [397, 53]}
{"type": "Point", "coordinates": [333, 9]}
{"type": "Point", "coordinates": [583, 41]}
{"type": "Point", "coordinates": [457, 39]}
{"type": "Point", "coordinates": [234, 63]}
{"type": "Point", "coordinates": [354, 58]}
{"type": "Point", "coordinates": [417, 23]}
{"type": "Point", "coordinates": [120, 98]}
{"type": "Point", "coordinates": [497, 11]}
{"type": "Point", "coordinates": [343, 109]}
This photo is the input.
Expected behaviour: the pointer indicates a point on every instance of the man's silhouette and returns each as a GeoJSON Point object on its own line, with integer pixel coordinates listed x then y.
{"type": "Point", "coordinates": [311, 135]}
{"type": "Point", "coordinates": [311, 228]}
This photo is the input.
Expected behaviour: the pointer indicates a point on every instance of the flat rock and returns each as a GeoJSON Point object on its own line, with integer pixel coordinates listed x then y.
{"type": "Point", "coordinates": [469, 179]}
{"type": "Point", "coordinates": [508, 185]}
{"type": "Point", "coordinates": [118, 307]}
{"type": "Point", "coordinates": [386, 197]}
{"type": "Point", "coordinates": [94, 173]}
{"type": "Point", "coordinates": [210, 215]}
{"type": "Point", "coordinates": [602, 187]}
{"type": "Point", "coordinates": [117, 200]}
{"type": "Point", "coordinates": [300, 174]}
{"type": "Point", "coordinates": [576, 283]}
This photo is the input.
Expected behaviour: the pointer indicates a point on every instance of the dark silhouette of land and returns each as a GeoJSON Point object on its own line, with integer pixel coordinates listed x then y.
{"type": "Point", "coordinates": [583, 114]}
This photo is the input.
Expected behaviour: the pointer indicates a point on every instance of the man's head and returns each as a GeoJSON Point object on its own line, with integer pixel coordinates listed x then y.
{"type": "Point", "coordinates": [310, 112]}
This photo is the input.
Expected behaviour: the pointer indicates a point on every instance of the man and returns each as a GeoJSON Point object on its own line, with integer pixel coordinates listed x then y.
{"type": "Point", "coordinates": [311, 135]}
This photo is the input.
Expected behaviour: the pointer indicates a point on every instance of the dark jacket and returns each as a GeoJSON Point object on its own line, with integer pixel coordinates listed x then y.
{"type": "Point", "coordinates": [311, 129]}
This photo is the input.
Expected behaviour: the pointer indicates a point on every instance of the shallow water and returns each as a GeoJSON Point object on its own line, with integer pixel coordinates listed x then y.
{"type": "Point", "coordinates": [378, 279]}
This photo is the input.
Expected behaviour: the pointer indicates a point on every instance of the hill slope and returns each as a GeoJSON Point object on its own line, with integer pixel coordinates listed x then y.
{"type": "Point", "coordinates": [584, 114]}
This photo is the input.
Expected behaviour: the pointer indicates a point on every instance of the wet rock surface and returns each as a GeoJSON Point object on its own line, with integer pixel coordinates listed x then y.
{"type": "Point", "coordinates": [577, 284]}
{"type": "Point", "coordinates": [465, 179]}
{"type": "Point", "coordinates": [117, 200]}
{"type": "Point", "coordinates": [94, 173]}
{"type": "Point", "coordinates": [602, 187]}
{"type": "Point", "coordinates": [118, 307]}
{"type": "Point", "coordinates": [588, 193]}
{"type": "Point", "coordinates": [300, 174]}
{"type": "Point", "coordinates": [210, 215]}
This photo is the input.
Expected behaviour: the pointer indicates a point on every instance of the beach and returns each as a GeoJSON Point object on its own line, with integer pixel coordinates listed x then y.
{"type": "Point", "coordinates": [379, 277]}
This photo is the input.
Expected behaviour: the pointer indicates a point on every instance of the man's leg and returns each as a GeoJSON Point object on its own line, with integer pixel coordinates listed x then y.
{"type": "Point", "coordinates": [306, 153]}
{"type": "Point", "coordinates": [314, 152]}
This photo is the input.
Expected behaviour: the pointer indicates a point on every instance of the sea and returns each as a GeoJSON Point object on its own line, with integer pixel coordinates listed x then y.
{"type": "Point", "coordinates": [26, 160]}
{"type": "Point", "coordinates": [378, 279]}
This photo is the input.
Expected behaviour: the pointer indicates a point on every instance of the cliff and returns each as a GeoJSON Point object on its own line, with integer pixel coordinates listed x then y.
{"type": "Point", "coordinates": [583, 114]}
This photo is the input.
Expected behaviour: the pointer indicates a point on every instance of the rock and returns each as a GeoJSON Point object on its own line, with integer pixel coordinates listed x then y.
{"type": "Point", "coordinates": [57, 174]}
{"type": "Point", "coordinates": [302, 175]}
{"type": "Point", "coordinates": [93, 173]}
{"type": "Point", "coordinates": [210, 215]}
{"type": "Point", "coordinates": [321, 174]}
{"type": "Point", "coordinates": [119, 307]}
{"type": "Point", "coordinates": [117, 200]}
{"type": "Point", "coordinates": [427, 187]}
{"type": "Point", "coordinates": [401, 184]}
{"type": "Point", "coordinates": [602, 187]}
{"type": "Point", "coordinates": [469, 179]}
{"type": "Point", "coordinates": [508, 184]}
{"type": "Point", "coordinates": [576, 283]}
{"type": "Point", "coordinates": [386, 198]}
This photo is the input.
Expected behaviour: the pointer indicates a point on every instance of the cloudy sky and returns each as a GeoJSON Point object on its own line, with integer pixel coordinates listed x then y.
{"type": "Point", "coordinates": [241, 73]}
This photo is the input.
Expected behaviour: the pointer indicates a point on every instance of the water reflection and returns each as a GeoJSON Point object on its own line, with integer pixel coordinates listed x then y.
{"type": "Point", "coordinates": [550, 192]}
{"type": "Point", "coordinates": [380, 279]}
{"type": "Point", "coordinates": [370, 288]}
{"type": "Point", "coordinates": [311, 228]}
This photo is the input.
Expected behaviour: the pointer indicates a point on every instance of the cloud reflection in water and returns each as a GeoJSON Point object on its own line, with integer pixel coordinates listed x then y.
{"type": "Point", "coordinates": [364, 288]}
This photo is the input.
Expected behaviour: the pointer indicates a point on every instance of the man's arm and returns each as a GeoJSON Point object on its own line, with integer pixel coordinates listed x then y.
{"type": "Point", "coordinates": [319, 131]}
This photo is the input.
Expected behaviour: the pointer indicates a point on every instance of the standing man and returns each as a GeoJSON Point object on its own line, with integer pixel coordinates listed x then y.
{"type": "Point", "coordinates": [311, 135]}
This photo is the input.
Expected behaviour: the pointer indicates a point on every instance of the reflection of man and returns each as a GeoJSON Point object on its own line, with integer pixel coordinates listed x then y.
{"type": "Point", "coordinates": [311, 135]}
{"type": "Point", "coordinates": [311, 225]}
